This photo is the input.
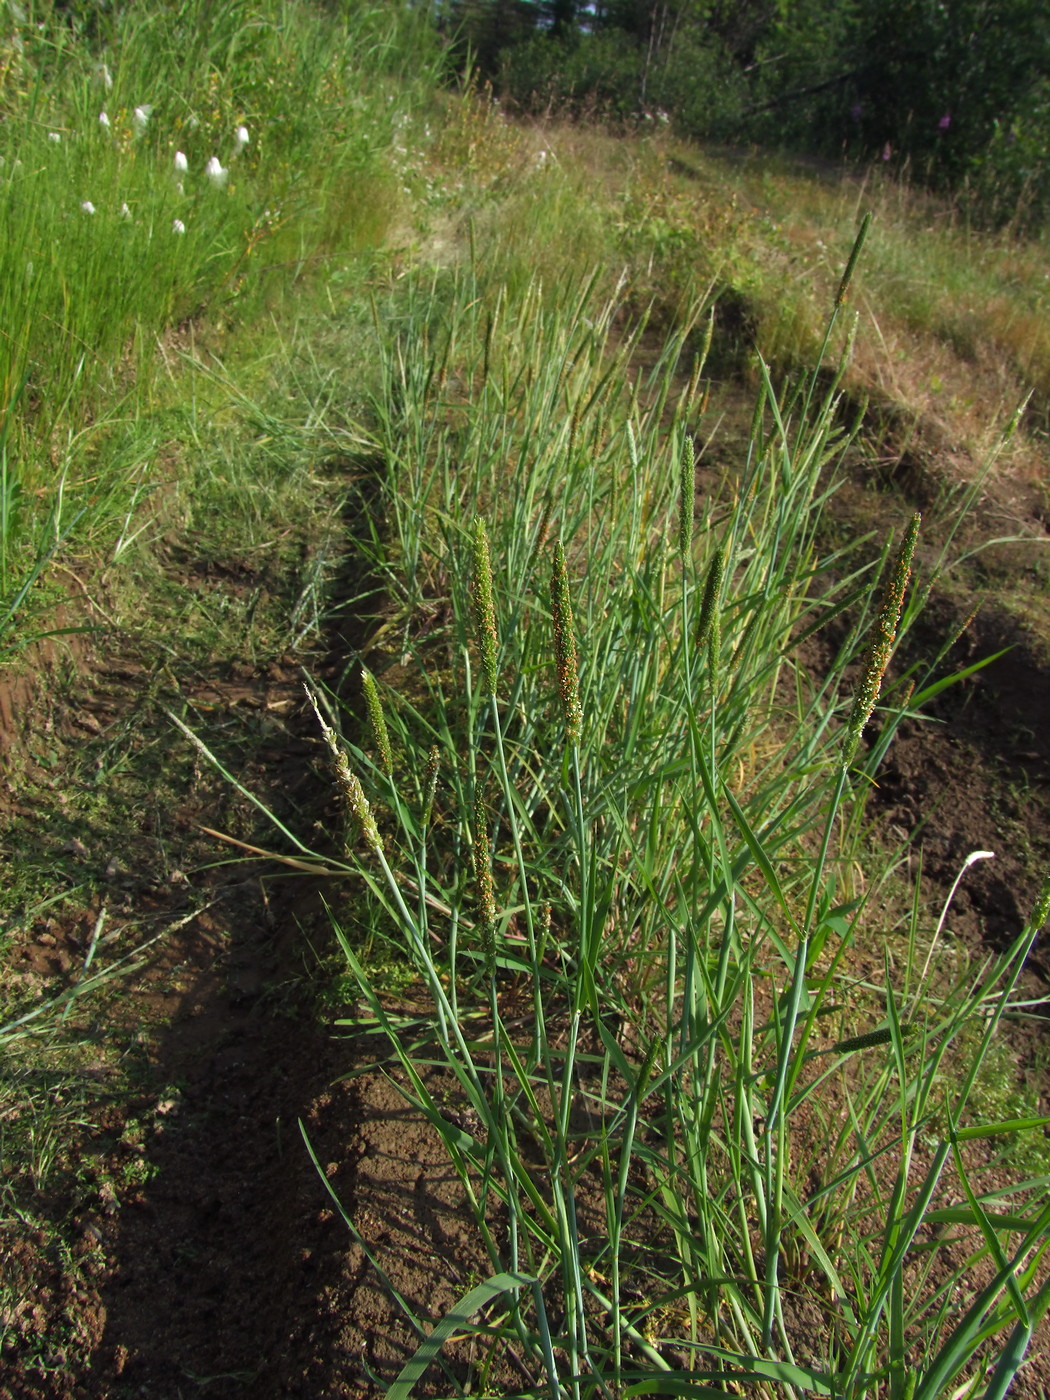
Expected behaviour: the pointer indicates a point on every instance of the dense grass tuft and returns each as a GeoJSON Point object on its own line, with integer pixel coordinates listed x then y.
{"type": "Point", "coordinates": [155, 166]}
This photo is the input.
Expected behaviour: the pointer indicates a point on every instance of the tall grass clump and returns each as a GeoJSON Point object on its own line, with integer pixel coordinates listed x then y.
{"type": "Point", "coordinates": [157, 163]}
{"type": "Point", "coordinates": [615, 825]}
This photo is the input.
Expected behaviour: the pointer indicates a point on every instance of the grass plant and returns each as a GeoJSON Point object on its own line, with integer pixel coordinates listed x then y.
{"type": "Point", "coordinates": [634, 895]}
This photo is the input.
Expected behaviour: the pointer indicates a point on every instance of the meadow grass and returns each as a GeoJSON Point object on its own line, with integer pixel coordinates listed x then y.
{"type": "Point", "coordinates": [618, 829]}
{"type": "Point", "coordinates": [154, 166]}
{"type": "Point", "coordinates": [956, 313]}
{"type": "Point", "coordinates": [594, 797]}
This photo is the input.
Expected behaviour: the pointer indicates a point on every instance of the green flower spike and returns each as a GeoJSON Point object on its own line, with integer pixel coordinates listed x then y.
{"type": "Point", "coordinates": [349, 785]}
{"type": "Point", "coordinates": [565, 648]}
{"type": "Point", "coordinates": [483, 886]}
{"type": "Point", "coordinates": [485, 608]}
{"type": "Point", "coordinates": [880, 648]}
{"type": "Point", "coordinates": [377, 721]}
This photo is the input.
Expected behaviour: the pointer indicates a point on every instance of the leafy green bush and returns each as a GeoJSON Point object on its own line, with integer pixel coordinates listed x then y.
{"type": "Point", "coordinates": [1010, 177]}
{"type": "Point", "coordinates": [600, 74]}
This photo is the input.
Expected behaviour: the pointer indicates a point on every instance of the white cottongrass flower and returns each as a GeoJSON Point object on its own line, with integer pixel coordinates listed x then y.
{"type": "Point", "coordinates": [215, 173]}
{"type": "Point", "coordinates": [181, 163]}
{"type": "Point", "coordinates": [178, 226]}
{"type": "Point", "coordinates": [54, 137]}
{"type": "Point", "coordinates": [104, 121]}
{"type": "Point", "coordinates": [240, 140]}
{"type": "Point", "coordinates": [139, 118]}
{"type": "Point", "coordinates": [87, 207]}
{"type": "Point", "coordinates": [104, 76]}
{"type": "Point", "coordinates": [125, 212]}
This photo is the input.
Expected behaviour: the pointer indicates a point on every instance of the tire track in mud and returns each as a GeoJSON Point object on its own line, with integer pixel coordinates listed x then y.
{"type": "Point", "coordinates": [190, 1247]}
{"type": "Point", "coordinates": [231, 1272]}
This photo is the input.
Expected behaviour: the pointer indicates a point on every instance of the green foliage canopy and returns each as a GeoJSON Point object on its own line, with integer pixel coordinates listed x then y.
{"type": "Point", "coordinates": [958, 93]}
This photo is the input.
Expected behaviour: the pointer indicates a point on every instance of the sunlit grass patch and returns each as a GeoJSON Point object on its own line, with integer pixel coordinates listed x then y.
{"type": "Point", "coordinates": [154, 167]}
{"type": "Point", "coordinates": [616, 799]}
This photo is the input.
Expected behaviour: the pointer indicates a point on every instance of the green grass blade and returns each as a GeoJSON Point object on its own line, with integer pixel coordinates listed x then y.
{"type": "Point", "coordinates": [457, 1318]}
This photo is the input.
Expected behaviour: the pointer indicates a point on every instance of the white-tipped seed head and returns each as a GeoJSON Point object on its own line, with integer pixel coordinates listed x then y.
{"type": "Point", "coordinates": [215, 174]}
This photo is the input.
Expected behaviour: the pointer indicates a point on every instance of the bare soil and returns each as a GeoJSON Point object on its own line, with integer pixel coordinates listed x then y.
{"type": "Point", "coordinates": [187, 1245]}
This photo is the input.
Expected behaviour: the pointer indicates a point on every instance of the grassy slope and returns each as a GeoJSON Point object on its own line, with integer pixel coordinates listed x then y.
{"type": "Point", "coordinates": [242, 442]}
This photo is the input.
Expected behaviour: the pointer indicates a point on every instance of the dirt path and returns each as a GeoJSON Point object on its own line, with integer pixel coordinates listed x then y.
{"type": "Point", "coordinates": [187, 1244]}
{"type": "Point", "coordinates": [230, 1270]}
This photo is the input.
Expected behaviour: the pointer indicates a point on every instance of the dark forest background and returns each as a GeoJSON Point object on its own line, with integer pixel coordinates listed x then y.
{"type": "Point", "coordinates": [956, 93]}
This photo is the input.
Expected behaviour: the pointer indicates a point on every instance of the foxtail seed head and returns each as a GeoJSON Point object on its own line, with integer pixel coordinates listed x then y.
{"type": "Point", "coordinates": [712, 591]}
{"type": "Point", "coordinates": [358, 806]}
{"type": "Point", "coordinates": [377, 721]}
{"type": "Point", "coordinates": [880, 648]}
{"type": "Point", "coordinates": [430, 781]}
{"type": "Point", "coordinates": [349, 785]}
{"type": "Point", "coordinates": [485, 608]}
{"type": "Point", "coordinates": [851, 266]}
{"type": "Point", "coordinates": [687, 497]}
{"type": "Point", "coordinates": [714, 648]}
{"type": "Point", "coordinates": [565, 648]}
{"type": "Point", "coordinates": [705, 348]}
{"type": "Point", "coordinates": [864, 1042]}
{"type": "Point", "coordinates": [483, 886]}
